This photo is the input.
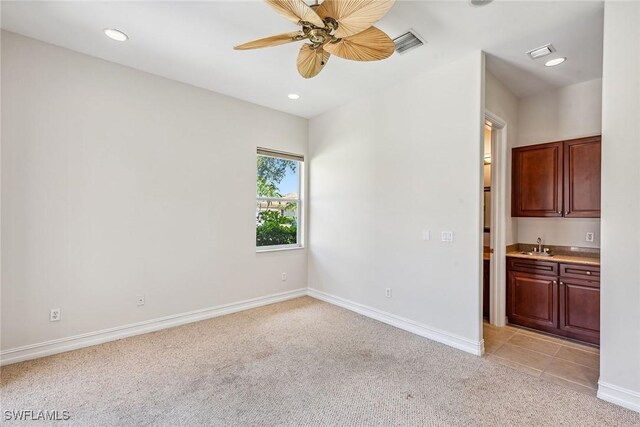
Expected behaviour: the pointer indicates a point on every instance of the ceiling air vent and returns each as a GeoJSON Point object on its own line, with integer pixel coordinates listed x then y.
{"type": "Point", "coordinates": [541, 51]}
{"type": "Point", "coordinates": [407, 41]}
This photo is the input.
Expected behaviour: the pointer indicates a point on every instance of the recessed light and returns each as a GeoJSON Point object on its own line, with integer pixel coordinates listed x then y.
{"type": "Point", "coordinates": [293, 96]}
{"type": "Point", "coordinates": [554, 62]}
{"type": "Point", "coordinates": [116, 35]}
{"type": "Point", "coordinates": [480, 2]}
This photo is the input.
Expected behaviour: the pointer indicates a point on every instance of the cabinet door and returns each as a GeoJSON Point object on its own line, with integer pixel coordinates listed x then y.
{"type": "Point", "coordinates": [580, 309]}
{"type": "Point", "coordinates": [582, 178]}
{"type": "Point", "coordinates": [537, 180]}
{"type": "Point", "coordinates": [532, 300]}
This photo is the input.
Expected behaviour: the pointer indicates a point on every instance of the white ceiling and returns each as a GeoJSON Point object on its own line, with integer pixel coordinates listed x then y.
{"type": "Point", "coordinates": [192, 42]}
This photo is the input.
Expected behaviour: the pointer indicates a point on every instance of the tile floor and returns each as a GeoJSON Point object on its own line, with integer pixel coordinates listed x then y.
{"type": "Point", "coordinates": [554, 359]}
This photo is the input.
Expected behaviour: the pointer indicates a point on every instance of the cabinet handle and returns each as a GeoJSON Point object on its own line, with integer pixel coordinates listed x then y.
{"type": "Point", "coordinates": [588, 273]}
{"type": "Point", "coordinates": [554, 282]}
{"type": "Point", "coordinates": [562, 283]}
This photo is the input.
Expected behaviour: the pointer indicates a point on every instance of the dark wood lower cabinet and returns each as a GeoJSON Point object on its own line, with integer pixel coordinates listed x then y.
{"type": "Point", "coordinates": [580, 309]}
{"type": "Point", "coordinates": [532, 300]}
{"type": "Point", "coordinates": [565, 306]}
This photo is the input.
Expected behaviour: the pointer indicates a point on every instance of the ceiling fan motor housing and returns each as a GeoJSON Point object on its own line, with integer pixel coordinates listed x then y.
{"type": "Point", "coordinates": [319, 36]}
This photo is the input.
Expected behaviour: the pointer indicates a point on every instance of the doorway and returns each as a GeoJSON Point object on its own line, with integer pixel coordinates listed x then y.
{"type": "Point", "coordinates": [494, 153]}
{"type": "Point", "coordinates": [486, 237]}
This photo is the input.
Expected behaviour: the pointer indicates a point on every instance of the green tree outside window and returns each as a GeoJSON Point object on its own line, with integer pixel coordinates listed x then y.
{"type": "Point", "coordinates": [276, 219]}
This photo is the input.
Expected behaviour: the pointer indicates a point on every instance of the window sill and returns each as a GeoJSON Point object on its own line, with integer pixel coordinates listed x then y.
{"type": "Point", "coordinates": [277, 249]}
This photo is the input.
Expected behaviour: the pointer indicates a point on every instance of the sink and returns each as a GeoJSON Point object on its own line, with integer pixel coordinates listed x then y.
{"type": "Point", "coordinates": [545, 254]}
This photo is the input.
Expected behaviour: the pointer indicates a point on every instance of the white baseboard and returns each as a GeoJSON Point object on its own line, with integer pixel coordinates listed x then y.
{"type": "Point", "coordinates": [34, 351]}
{"type": "Point", "coordinates": [611, 393]}
{"type": "Point", "coordinates": [620, 396]}
{"type": "Point", "coordinates": [461, 343]}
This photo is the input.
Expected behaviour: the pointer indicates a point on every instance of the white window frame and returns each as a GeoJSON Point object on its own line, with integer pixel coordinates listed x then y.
{"type": "Point", "coordinates": [299, 201]}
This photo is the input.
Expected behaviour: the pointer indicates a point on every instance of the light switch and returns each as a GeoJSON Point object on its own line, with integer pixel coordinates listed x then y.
{"type": "Point", "coordinates": [426, 235]}
{"type": "Point", "coordinates": [447, 236]}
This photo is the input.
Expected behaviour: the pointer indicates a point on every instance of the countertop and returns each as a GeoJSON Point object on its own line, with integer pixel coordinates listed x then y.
{"type": "Point", "coordinates": [572, 259]}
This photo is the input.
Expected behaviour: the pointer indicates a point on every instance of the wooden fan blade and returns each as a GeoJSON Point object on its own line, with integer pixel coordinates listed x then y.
{"type": "Point", "coordinates": [354, 16]}
{"type": "Point", "coordinates": [271, 41]}
{"type": "Point", "coordinates": [296, 11]}
{"type": "Point", "coordinates": [368, 45]}
{"type": "Point", "coordinates": [311, 61]}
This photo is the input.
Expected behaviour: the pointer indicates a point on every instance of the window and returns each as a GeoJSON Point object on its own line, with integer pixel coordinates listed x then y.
{"type": "Point", "coordinates": [278, 200]}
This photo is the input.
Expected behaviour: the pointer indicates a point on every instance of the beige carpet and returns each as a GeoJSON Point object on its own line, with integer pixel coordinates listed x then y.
{"type": "Point", "coordinates": [302, 363]}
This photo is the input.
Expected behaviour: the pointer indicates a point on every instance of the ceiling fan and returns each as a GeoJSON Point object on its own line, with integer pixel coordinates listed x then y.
{"type": "Point", "coordinates": [343, 28]}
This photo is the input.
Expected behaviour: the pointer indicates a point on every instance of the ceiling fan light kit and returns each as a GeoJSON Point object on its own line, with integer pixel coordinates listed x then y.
{"type": "Point", "coordinates": [343, 28]}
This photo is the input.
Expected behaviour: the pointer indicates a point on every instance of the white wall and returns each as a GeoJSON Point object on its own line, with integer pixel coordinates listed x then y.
{"type": "Point", "coordinates": [568, 112]}
{"type": "Point", "coordinates": [117, 183]}
{"type": "Point", "coordinates": [620, 300]}
{"type": "Point", "coordinates": [565, 113]}
{"type": "Point", "coordinates": [502, 102]}
{"type": "Point", "coordinates": [400, 160]}
{"type": "Point", "coordinates": [559, 231]}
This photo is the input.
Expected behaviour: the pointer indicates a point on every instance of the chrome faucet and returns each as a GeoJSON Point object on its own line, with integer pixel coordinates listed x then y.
{"type": "Point", "coordinates": [539, 241]}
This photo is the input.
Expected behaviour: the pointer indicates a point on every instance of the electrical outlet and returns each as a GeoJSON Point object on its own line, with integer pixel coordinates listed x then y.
{"type": "Point", "coordinates": [387, 292]}
{"type": "Point", "coordinates": [54, 315]}
{"type": "Point", "coordinates": [284, 277]}
{"type": "Point", "coordinates": [140, 300]}
{"type": "Point", "coordinates": [589, 237]}
{"type": "Point", "coordinates": [447, 236]}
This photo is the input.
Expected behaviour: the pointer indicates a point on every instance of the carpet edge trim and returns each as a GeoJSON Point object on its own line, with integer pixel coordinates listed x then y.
{"type": "Point", "coordinates": [74, 342]}
{"type": "Point", "coordinates": [452, 340]}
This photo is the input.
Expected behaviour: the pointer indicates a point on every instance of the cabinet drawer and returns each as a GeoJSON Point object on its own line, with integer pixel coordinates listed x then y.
{"type": "Point", "coordinates": [586, 272]}
{"type": "Point", "coordinates": [533, 266]}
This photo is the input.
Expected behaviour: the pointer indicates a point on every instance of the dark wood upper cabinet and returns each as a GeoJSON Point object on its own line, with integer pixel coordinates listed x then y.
{"type": "Point", "coordinates": [557, 179]}
{"type": "Point", "coordinates": [537, 180]}
{"type": "Point", "coordinates": [582, 178]}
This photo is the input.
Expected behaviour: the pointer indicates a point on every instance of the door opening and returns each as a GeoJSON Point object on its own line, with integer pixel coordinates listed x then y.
{"type": "Point", "coordinates": [494, 221]}
{"type": "Point", "coordinates": [486, 231]}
